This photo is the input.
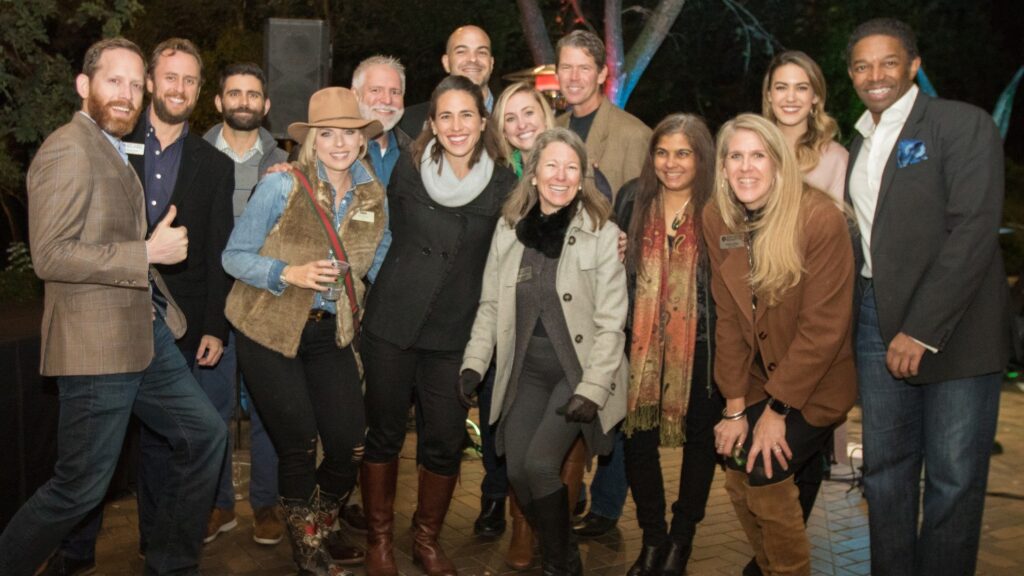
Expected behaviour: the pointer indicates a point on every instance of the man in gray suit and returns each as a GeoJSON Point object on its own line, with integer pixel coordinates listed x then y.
{"type": "Point", "coordinates": [926, 182]}
{"type": "Point", "coordinates": [109, 327]}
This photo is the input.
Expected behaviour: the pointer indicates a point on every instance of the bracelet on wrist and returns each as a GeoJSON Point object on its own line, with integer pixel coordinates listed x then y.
{"type": "Point", "coordinates": [737, 416]}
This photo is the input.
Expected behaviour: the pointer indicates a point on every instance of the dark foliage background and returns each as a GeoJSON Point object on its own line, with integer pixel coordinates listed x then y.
{"type": "Point", "coordinates": [711, 63]}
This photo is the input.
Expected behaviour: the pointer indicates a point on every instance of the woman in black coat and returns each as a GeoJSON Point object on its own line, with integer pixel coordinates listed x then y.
{"type": "Point", "coordinates": [445, 198]}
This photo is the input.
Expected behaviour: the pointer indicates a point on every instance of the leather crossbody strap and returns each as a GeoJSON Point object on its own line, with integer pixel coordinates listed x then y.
{"type": "Point", "coordinates": [339, 250]}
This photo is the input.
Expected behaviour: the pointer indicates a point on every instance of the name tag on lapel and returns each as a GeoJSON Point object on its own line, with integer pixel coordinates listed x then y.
{"type": "Point", "coordinates": [730, 241]}
{"type": "Point", "coordinates": [364, 216]}
{"type": "Point", "coordinates": [135, 148]}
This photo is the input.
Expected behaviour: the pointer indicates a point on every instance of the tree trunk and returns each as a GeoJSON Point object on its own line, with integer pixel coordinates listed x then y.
{"type": "Point", "coordinates": [536, 32]}
{"type": "Point", "coordinates": [614, 51]}
{"type": "Point", "coordinates": [624, 70]}
{"type": "Point", "coordinates": [646, 45]}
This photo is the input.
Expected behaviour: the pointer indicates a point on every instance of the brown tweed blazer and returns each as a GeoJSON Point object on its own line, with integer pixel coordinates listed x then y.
{"type": "Point", "coordinates": [87, 229]}
{"type": "Point", "coordinates": [617, 143]}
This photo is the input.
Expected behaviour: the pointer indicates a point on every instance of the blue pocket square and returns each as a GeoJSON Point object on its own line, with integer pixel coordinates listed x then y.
{"type": "Point", "coordinates": [910, 152]}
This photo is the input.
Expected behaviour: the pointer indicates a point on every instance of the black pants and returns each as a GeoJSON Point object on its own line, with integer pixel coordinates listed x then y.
{"type": "Point", "coordinates": [317, 393]}
{"type": "Point", "coordinates": [535, 438]}
{"type": "Point", "coordinates": [806, 442]}
{"type": "Point", "coordinates": [643, 463]}
{"type": "Point", "coordinates": [397, 377]}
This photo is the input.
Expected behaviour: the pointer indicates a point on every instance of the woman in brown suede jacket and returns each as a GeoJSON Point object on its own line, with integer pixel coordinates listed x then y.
{"type": "Point", "coordinates": [782, 279]}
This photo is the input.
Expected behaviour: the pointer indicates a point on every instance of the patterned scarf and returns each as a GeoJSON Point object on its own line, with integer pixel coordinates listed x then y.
{"type": "Point", "coordinates": [664, 330]}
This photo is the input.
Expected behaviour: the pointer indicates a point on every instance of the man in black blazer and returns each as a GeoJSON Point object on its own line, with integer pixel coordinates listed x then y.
{"type": "Point", "coordinates": [177, 167]}
{"type": "Point", "coordinates": [926, 183]}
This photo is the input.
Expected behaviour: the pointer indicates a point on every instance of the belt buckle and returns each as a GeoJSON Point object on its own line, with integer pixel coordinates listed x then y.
{"type": "Point", "coordinates": [317, 315]}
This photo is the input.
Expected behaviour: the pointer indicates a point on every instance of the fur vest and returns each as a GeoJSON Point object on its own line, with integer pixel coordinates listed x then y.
{"type": "Point", "coordinates": [276, 322]}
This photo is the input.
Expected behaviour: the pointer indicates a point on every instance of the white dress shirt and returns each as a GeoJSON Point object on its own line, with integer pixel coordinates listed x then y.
{"type": "Point", "coordinates": [866, 177]}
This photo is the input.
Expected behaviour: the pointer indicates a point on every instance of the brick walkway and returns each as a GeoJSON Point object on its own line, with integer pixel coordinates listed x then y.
{"type": "Point", "coordinates": [838, 526]}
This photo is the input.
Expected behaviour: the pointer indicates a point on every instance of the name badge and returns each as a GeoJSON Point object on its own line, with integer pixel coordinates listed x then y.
{"type": "Point", "coordinates": [364, 216]}
{"type": "Point", "coordinates": [730, 241]}
{"type": "Point", "coordinates": [135, 148]}
{"type": "Point", "coordinates": [525, 273]}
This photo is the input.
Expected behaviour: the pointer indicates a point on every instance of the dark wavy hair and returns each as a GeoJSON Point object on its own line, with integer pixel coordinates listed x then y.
{"type": "Point", "coordinates": [648, 187]}
{"type": "Point", "coordinates": [486, 142]}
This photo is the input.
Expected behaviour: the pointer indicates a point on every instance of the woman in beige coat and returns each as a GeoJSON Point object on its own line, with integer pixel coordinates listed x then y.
{"type": "Point", "coordinates": [554, 304]}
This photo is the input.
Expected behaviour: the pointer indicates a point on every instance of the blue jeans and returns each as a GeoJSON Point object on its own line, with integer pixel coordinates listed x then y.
{"type": "Point", "coordinates": [609, 488]}
{"type": "Point", "coordinates": [94, 412]}
{"type": "Point", "coordinates": [945, 427]}
{"type": "Point", "coordinates": [263, 472]}
{"type": "Point", "coordinates": [218, 382]}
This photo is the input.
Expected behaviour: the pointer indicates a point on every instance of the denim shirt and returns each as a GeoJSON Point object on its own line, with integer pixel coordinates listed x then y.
{"type": "Point", "coordinates": [383, 164]}
{"type": "Point", "coordinates": [241, 257]}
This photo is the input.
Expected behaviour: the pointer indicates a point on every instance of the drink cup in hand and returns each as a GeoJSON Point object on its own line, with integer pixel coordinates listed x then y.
{"type": "Point", "coordinates": [335, 287]}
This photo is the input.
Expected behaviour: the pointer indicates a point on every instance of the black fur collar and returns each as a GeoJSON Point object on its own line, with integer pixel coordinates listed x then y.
{"type": "Point", "coordinates": [545, 233]}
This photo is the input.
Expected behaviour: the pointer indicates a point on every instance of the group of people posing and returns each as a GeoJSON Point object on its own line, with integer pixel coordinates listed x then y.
{"type": "Point", "coordinates": [578, 277]}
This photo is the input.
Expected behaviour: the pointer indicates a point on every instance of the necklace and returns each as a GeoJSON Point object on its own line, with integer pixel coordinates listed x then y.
{"type": "Point", "coordinates": [677, 219]}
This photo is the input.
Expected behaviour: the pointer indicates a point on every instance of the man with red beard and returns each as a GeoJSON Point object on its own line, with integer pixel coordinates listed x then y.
{"type": "Point", "coordinates": [180, 169]}
{"type": "Point", "coordinates": [109, 327]}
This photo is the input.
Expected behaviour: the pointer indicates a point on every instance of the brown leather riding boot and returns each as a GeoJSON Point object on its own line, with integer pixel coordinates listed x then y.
{"type": "Point", "coordinates": [434, 496]}
{"type": "Point", "coordinates": [520, 548]}
{"type": "Point", "coordinates": [573, 467]}
{"type": "Point", "coordinates": [777, 509]}
{"type": "Point", "coordinates": [378, 482]}
{"type": "Point", "coordinates": [737, 488]}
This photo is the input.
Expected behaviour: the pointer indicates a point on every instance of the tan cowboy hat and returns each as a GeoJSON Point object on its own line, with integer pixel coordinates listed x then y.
{"type": "Point", "coordinates": [334, 108]}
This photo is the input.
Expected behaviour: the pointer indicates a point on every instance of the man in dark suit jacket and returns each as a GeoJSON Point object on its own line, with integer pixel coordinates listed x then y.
{"type": "Point", "coordinates": [926, 182]}
{"type": "Point", "coordinates": [109, 327]}
{"type": "Point", "coordinates": [177, 167]}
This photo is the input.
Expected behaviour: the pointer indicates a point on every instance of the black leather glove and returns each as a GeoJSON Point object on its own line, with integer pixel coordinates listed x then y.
{"type": "Point", "coordinates": [466, 389]}
{"type": "Point", "coordinates": [578, 409]}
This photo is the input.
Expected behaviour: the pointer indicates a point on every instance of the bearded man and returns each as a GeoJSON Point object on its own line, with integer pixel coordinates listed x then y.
{"type": "Point", "coordinates": [109, 325]}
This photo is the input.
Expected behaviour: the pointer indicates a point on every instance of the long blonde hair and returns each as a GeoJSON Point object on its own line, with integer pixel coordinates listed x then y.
{"type": "Point", "coordinates": [821, 128]}
{"type": "Point", "coordinates": [777, 261]}
{"type": "Point", "coordinates": [524, 196]}
{"type": "Point", "coordinates": [498, 115]}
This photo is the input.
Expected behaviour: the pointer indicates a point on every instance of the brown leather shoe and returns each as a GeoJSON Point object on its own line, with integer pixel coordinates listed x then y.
{"type": "Point", "coordinates": [434, 496]}
{"type": "Point", "coordinates": [267, 525]}
{"type": "Point", "coordinates": [520, 548]}
{"type": "Point", "coordinates": [378, 483]}
{"type": "Point", "coordinates": [221, 520]}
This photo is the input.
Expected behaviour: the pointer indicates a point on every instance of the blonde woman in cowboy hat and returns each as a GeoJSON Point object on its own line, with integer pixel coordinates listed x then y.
{"type": "Point", "coordinates": [300, 251]}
